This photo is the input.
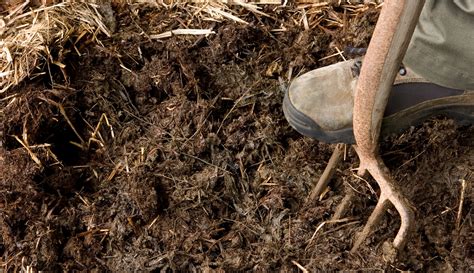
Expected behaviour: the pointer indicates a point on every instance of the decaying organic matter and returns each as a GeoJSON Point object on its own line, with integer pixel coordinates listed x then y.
{"type": "Point", "coordinates": [173, 153]}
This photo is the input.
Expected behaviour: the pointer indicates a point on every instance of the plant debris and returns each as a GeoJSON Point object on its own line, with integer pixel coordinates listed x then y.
{"type": "Point", "coordinates": [121, 150]}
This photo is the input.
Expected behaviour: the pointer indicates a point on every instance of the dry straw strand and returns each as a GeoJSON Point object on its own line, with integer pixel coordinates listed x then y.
{"type": "Point", "coordinates": [26, 36]}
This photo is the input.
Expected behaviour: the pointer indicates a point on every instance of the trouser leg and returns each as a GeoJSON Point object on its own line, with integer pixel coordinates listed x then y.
{"type": "Point", "coordinates": [442, 47]}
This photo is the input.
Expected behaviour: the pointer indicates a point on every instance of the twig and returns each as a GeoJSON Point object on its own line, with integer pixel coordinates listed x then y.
{"type": "Point", "coordinates": [320, 226]}
{"type": "Point", "coordinates": [366, 182]}
{"type": "Point", "coordinates": [32, 155]}
{"type": "Point", "coordinates": [225, 14]}
{"type": "Point", "coordinates": [461, 203]}
{"type": "Point", "coordinates": [63, 113]}
{"type": "Point", "coordinates": [300, 266]}
{"type": "Point", "coordinates": [181, 31]}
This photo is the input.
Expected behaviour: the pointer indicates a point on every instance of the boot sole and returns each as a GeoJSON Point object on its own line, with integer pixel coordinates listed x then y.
{"type": "Point", "coordinates": [460, 108]}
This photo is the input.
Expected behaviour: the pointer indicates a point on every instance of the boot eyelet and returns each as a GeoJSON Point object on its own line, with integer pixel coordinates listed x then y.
{"type": "Point", "coordinates": [402, 71]}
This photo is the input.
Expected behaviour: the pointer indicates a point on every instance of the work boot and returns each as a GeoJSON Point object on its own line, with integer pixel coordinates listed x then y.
{"type": "Point", "coordinates": [319, 103]}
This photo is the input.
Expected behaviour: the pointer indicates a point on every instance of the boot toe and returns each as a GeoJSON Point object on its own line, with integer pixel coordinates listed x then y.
{"type": "Point", "coordinates": [319, 103]}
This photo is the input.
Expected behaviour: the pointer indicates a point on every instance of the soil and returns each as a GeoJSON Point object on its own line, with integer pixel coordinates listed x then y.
{"type": "Point", "coordinates": [175, 155]}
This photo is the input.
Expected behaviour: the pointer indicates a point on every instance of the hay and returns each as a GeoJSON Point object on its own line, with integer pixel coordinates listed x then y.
{"type": "Point", "coordinates": [27, 37]}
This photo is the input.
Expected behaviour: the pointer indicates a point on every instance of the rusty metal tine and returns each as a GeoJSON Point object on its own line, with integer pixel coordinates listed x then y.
{"type": "Point", "coordinates": [327, 174]}
{"type": "Point", "coordinates": [374, 219]}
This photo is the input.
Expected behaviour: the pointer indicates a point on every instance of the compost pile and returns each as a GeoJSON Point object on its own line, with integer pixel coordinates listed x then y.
{"type": "Point", "coordinates": [126, 146]}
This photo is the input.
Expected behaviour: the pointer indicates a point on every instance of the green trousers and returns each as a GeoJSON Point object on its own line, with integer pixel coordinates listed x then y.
{"type": "Point", "coordinates": [442, 46]}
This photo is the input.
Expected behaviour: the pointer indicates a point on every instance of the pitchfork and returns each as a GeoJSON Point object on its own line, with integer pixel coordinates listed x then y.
{"type": "Point", "coordinates": [387, 47]}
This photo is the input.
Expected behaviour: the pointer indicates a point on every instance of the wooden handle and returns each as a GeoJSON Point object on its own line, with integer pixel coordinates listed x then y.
{"type": "Point", "coordinates": [387, 47]}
